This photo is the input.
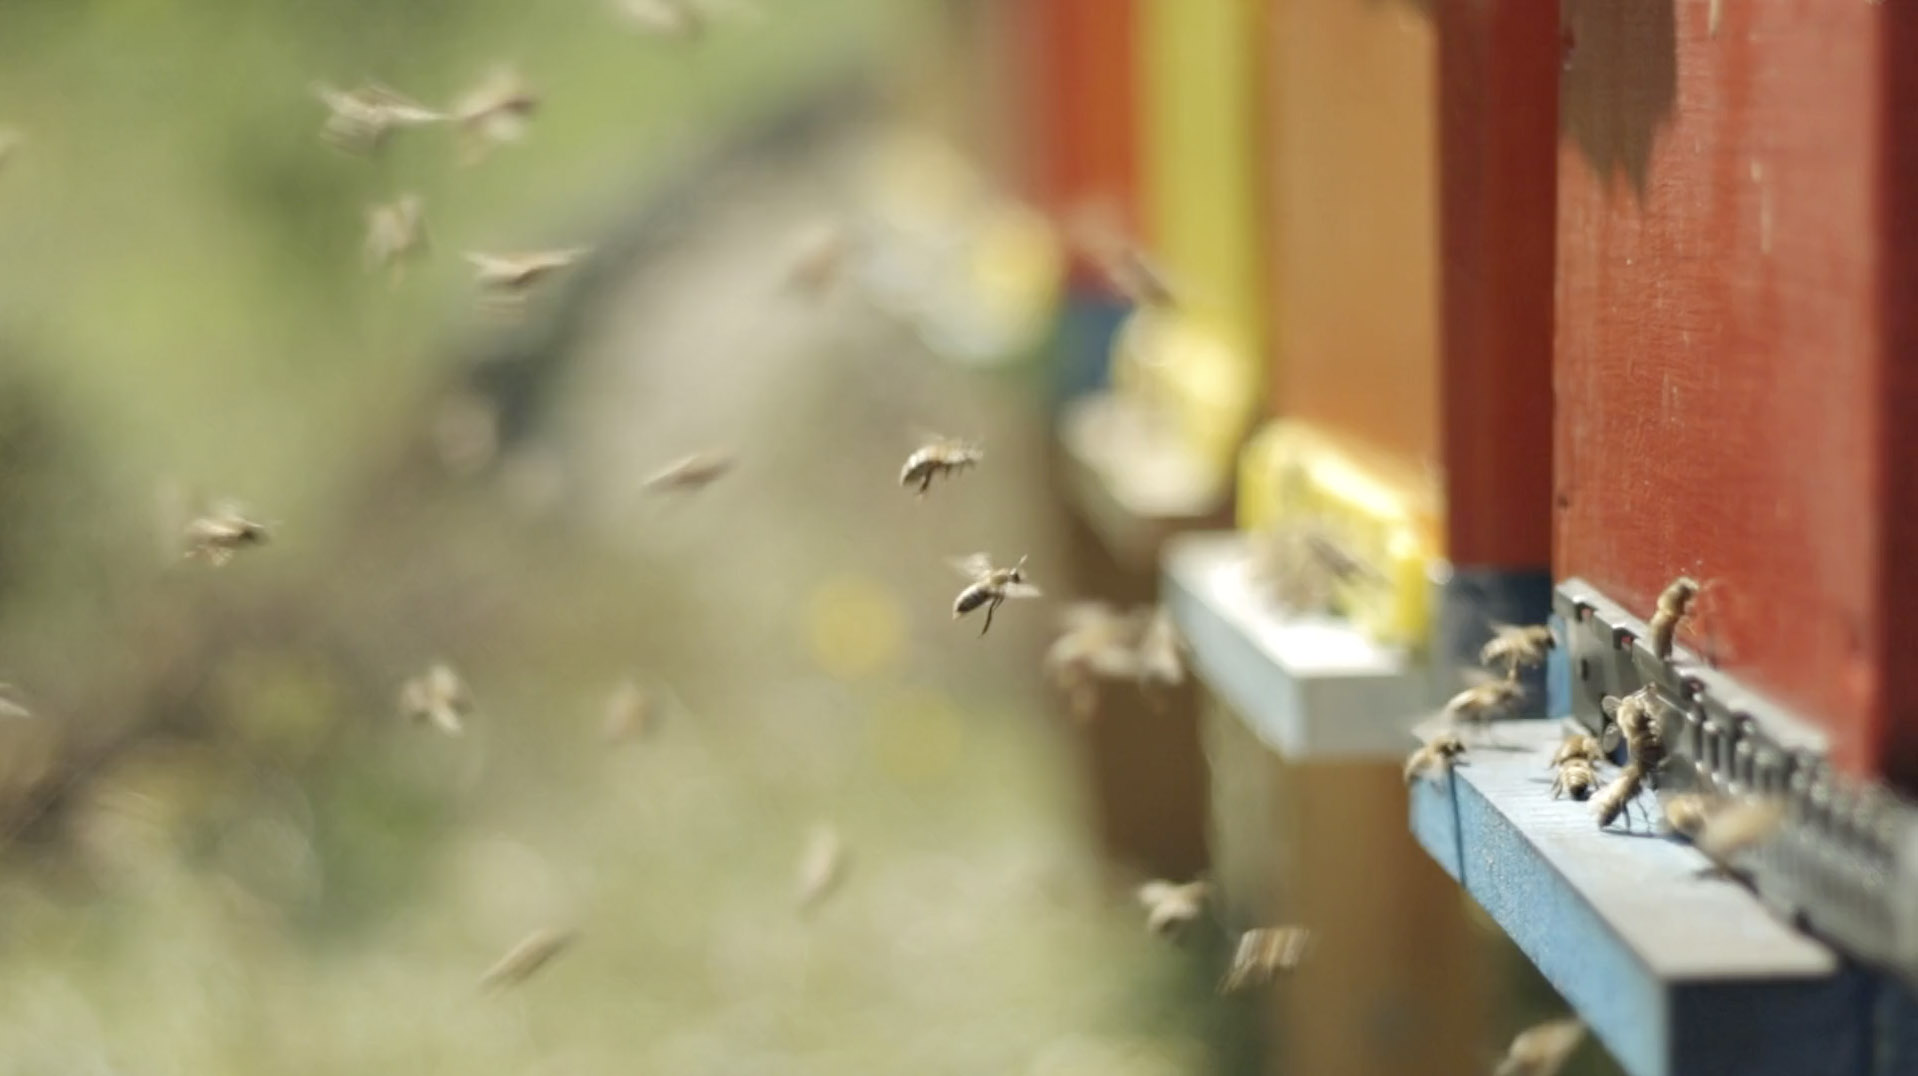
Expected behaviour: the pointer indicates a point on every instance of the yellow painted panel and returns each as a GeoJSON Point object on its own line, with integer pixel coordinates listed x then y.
{"type": "Point", "coordinates": [1386, 511]}
{"type": "Point", "coordinates": [1200, 181]}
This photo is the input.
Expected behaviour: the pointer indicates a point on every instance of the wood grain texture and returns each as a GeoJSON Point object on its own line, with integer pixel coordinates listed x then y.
{"type": "Point", "coordinates": [1353, 222]}
{"type": "Point", "coordinates": [1734, 340]}
{"type": "Point", "coordinates": [1498, 70]}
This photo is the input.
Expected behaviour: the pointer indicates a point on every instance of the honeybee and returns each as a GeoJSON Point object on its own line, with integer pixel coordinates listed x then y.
{"type": "Point", "coordinates": [1096, 642]}
{"type": "Point", "coordinates": [1300, 567]}
{"type": "Point", "coordinates": [819, 258]}
{"type": "Point", "coordinates": [1482, 702]}
{"type": "Point", "coordinates": [218, 535]}
{"type": "Point", "coordinates": [1576, 778]}
{"type": "Point", "coordinates": [494, 113]}
{"type": "Point", "coordinates": [821, 867]}
{"type": "Point", "coordinates": [439, 697]}
{"type": "Point", "coordinates": [1673, 603]}
{"type": "Point", "coordinates": [990, 586]}
{"type": "Point", "coordinates": [1618, 795]}
{"type": "Point", "coordinates": [1096, 230]}
{"type": "Point", "coordinates": [690, 474]}
{"type": "Point", "coordinates": [940, 456]}
{"type": "Point", "coordinates": [664, 18]}
{"type": "Point", "coordinates": [1435, 757]}
{"type": "Point", "coordinates": [1686, 813]}
{"type": "Point", "coordinates": [631, 712]}
{"type": "Point", "coordinates": [533, 952]}
{"type": "Point", "coordinates": [396, 234]}
{"type": "Point", "coordinates": [1161, 654]}
{"type": "Point", "coordinates": [1636, 718]}
{"type": "Point", "coordinates": [1578, 745]}
{"type": "Point", "coordinates": [1515, 647]}
{"type": "Point", "coordinates": [515, 273]}
{"type": "Point", "coordinates": [1732, 829]}
{"type": "Point", "coordinates": [1172, 907]}
{"type": "Point", "coordinates": [359, 121]}
{"type": "Point", "coordinates": [1542, 1050]}
{"type": "Point", "coordinates": [1264, 953]}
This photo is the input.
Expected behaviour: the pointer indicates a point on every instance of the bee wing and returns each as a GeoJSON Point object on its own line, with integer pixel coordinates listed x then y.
{"type": "Point", "coordinates": [1023, 590]}
{"type": "Point", "coordinates": [1609, 704]}
{"type": "Point", "coordinates": [972, 565]}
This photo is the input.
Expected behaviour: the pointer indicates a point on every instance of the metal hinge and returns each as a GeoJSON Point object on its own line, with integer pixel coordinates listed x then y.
{"type": "Point", "coordinates": [1845, 862]}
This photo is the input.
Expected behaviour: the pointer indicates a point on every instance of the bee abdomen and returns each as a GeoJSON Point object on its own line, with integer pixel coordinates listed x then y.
{"type": "Point", "coordinates": [971, 598]}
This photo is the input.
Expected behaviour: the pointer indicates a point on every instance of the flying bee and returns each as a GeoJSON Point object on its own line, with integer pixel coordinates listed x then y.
{"type": "Point", "coordinates": [822, 866]}
{"type": "Point", "coordinates": [1437, 756]}
{"type": "Point", "coordinates": [396, 234]}
{"type": "Point", "coordinates": [533, 952]}
{"type": "Point", "coordinates": [1686, 813]}
{"type": "Point", "coordinates": [1673, 603]}
{"type": "Point", "coordinates": [1636, 718]}
{"type": "Point", "coordinates": [819, 258]}
{"type": "Point", "coordinates": [631, 713]}
{"type": "Point", "coordinates": [1576, 778]}
{"type": "Point", "coordinates": [690, 474]}
{"type": "Point", "coordinates": [1171, 907]}
{"type": "Point", "coordinates": [1482, 702]}
{"type": "Point", "coordinates": [437, 697]}
{"type": "Point", "coordinates": [1097, 642]}
{"type": "Point", "coordinates": [514, 274]}
{"type": "Point", "coordinates": [1578, 745]}
{"type": "Point", "coordinates": [1542, 1050]}
{"type": "Point", "coordinates": [1515, 648]}
{"type": "Point", "coordinates": [1161, 655]}
{"type": "Point", "coordinates": [990, 586]}
{"type": "Point", "coordinates": [1615, 797]}
{"type": "Point", "coordinates": [1264, 953]}
{"type": "Point", "coordinates": [221, 533]}
{"type": "Point", "coordinates": [1732, 829]}
{"type": "Point", "coordinates": [940, 456]}
{"type": "Point", "coordinates": [679, 19]}
{"type": "Point", "coordinates": [494, 113]}
{"type": "Point", "coordinates": [1099, 233]}
{"type": "Point", "coordinates": [359, 121]}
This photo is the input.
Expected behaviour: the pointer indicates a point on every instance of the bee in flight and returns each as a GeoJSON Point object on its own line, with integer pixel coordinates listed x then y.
{"type": "Point", "coordinates": [938, 456]}
{"type": "Point", "coordinates": [990, 586]}
{"type": "Point", "coordinates": [221, 533]}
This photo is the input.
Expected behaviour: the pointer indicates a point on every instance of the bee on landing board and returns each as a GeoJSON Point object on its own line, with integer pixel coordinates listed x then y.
{"type": "Point", "coordinates": [217, 536]}
{"type": "Point", "coordinates": [1171, 907]}
{"type": "Point", "coordinates": [1576, 777]}
{"type": "Point", "coordinates": [990, 586]}
{"type": "Point", "coordinates": [1264, 953]}
{"type": "Point", "coordinates": [1731, 829]}
{"type": "Point", "coordinates": [1483, 702]}
{"type": "Point", "coordinates": [1541, 1050]}
{"type": "Point", "coordinates": [938, 456]}
{"type": "Point", "coordinates": [1435, 757]}
{"type": "Point", "coordinates": [1615, 797]}
{"type": "Point", "coordinates": [1577, 745]}
{"type": "Point", "coordinates": [1512, 648]}
{"type": "Point", "coordinates": [1673, 603]}
{"type": "Point", "coordinates": [1635, 717]}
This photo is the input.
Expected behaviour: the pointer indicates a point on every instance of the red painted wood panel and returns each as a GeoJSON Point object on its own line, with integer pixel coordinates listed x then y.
{"type": "Point", "coordinates": [1498, 69]}
{"type": "Point", "coordinates": [1083, 113]}
{"type": "Point", "coordinates": [1734, 332]}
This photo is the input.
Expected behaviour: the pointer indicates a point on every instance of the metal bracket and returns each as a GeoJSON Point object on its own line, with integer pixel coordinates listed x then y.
{"type": "Point", "coordinates": [1845, 863]}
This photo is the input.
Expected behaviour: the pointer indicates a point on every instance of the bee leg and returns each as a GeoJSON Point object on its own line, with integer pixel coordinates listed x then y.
{"type": "Point", "coordinates": [925, 482]}
{"type": "Point", "coordinates": [990, 606]}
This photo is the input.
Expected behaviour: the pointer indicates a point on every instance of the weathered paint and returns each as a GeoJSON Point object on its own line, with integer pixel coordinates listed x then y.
{"type": "Point", "coordinates": [1735, 340]}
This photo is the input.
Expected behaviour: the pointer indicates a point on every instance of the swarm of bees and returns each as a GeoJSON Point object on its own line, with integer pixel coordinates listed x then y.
{"type": "Point", "coordinates": [1262, 955]}
{"type": "Point", "coordinates": [437, 697]}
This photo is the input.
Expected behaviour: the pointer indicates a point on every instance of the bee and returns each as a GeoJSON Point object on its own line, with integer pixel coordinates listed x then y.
{"type": "Point", "coordinates": [494, 113]}
{"type": "Point", "coordinates": [819, 258]}
{"type": "Point", "coordinates": [396, 234]}
{"type": "Point", "coordinates": [1264, 953]}
{"type": "Point", "coordinates": [1686, 813]}
{"type": "Point", "coordinates": [1161, 655]}
{"type": "Point", "coordinates": [1099, 234]}
{"type": "Point", "coordinates": [359, 121]}
{"type": "Point", "coordinates": [516, 273]}
{"type": "Point", "coordinates": [1578, 745]}
{"type": "Point", "coordinates": [1619, 794]}
{"type": "Point", "coordinates": [1636, 718]}
{"type": "Point", "coordinates": [1732, 829]}
{"type": "Point", "coordinates": [631, 713]}
{"type": "Point", "coordinates": [822, 866]}
{"type": "Point", "coordinates": [690, 474]}
{"type": "Point", "coordinates": [1482, 702]}
{"type": "Point", "coordinates": [1096, 642]}
{"type": "Point", "coordinates": [1171, 907]}
{"type": "Point", "coordinates": [218, 535]}
{"type": "Point", "coordinates": [1516, 648]}
{"type": "Point", "coordinates": [533, 952]}
{"type": "Point", "coordinates": [1437, 756]}
{"type": "Point", "coordinates": [940, 456]}
{"type": "Point", "coordinates": [1542, 1050]}
{"type": "Point", "coordinates": [439, 697]}
{"type": "Point", "coordinates": [1576, 778]}
{"type": "Point", "coordinates": [685, 20]}
{"type": "Point", "coordinates": [990, 586]}
{"type": "Point", "coordinates": [1673, 603]}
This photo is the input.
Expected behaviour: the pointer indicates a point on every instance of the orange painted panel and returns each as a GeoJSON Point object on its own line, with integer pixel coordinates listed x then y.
{"type": "Point", "coordinates": [1734, 327]}
{"type": "Point", "coordinates": [1084, 122]}
{"type": "Point", "coordinates": [1354, 229]}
